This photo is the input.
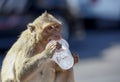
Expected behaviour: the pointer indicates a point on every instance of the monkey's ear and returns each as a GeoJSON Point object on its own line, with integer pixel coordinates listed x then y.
{"type": "Point", "coordinates": [31, 27]}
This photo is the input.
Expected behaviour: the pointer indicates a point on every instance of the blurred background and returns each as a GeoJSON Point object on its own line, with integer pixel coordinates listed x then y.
{"type": "Point", "coordinates": [92, 28]}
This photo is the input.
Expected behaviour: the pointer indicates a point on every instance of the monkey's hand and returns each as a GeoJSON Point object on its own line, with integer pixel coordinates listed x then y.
{"type": "Point", "coordinates": [51, 47]}
{"type": "Point", "coordinates": [76, 58]}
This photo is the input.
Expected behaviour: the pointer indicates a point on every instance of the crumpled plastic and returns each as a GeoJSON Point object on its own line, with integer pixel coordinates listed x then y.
{"type": "Point", "coordinates": [63, 56]}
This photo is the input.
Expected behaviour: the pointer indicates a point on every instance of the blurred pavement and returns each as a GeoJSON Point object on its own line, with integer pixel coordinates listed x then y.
{"type": "Point", "coordinates": [104, 69]}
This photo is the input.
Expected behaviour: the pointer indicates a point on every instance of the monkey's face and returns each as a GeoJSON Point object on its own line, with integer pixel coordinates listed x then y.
{"type": "Point", "coordinates": [52, 32]}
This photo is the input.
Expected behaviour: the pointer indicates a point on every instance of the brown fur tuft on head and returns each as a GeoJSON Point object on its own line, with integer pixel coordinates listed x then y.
{"type": "Point", "coordinates": [45, 14]}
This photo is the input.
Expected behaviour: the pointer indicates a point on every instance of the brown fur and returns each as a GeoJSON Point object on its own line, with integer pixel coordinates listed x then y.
{"type": "Point", "coordinates": [28, 60]}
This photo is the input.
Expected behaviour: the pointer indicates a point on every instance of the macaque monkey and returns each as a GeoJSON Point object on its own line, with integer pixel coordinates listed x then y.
{"type": "Point", "coordinates": [29, 59]}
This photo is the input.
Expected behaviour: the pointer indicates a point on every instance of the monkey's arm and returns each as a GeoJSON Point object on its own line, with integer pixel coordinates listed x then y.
{"type": "Point", "coordinates": [32, 64]}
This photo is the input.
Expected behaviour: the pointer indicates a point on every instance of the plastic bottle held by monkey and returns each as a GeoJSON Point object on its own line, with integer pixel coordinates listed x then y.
{"type": "Point", "coordinates": [63, 56]}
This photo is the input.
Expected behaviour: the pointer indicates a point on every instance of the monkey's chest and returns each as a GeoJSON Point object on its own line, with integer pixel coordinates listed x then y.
{"type": "Point", "coordinates": [44, 73]}
{"type": "Point", "coordinates": [36, 78]}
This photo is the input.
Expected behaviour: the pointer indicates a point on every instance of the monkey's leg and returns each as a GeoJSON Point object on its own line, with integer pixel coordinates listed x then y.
{"type": "Point", "coordinates": [65, 76]}
{"type": "Point", "coordinates": [71, 75]}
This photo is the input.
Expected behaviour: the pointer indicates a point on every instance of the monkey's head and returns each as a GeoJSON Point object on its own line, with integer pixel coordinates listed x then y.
{"type": "Point", "coordinates": [46, 27]}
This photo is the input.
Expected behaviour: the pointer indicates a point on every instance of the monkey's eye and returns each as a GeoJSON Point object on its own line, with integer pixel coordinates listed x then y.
{"type": "Point", "coordinates": [50, 27]}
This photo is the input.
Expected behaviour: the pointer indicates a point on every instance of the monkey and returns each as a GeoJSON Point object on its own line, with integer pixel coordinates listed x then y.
{"type": "Point", "coordinates": [29, 59]}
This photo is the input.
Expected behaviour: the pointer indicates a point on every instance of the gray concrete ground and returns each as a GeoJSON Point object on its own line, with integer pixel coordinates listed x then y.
{"type": "Point", "coordinates": [104, 69]}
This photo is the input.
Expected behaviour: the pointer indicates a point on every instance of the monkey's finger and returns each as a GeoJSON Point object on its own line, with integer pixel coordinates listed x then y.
{"type": "Point", "coordinates": [54, 44]}
{"type": "Point", "coordinates": [53, 47]}
{"type": "Point", "coordinates": [51, 43]}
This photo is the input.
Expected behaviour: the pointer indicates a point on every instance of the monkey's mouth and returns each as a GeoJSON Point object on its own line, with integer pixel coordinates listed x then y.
{"type": "Point", "coordinates": [49, 40]}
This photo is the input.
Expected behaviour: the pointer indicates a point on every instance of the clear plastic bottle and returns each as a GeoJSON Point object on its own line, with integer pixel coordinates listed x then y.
{"type": "Point", "coordinates": [63, 56]}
